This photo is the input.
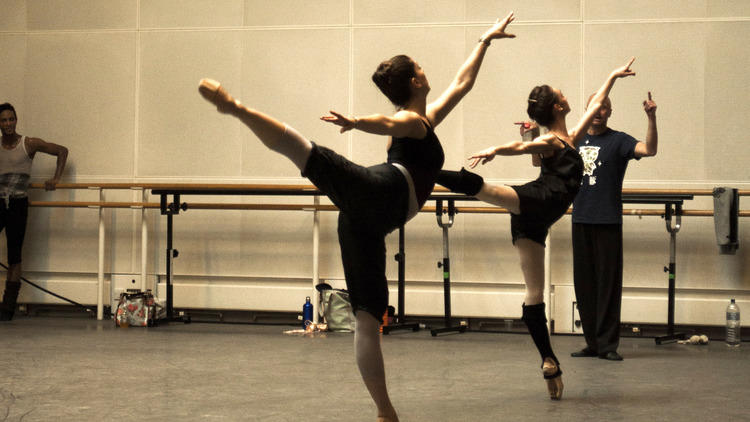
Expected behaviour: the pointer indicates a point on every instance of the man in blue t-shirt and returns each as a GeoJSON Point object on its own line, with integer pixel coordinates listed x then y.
{"type": "Point", "coordinates": [597, 228]}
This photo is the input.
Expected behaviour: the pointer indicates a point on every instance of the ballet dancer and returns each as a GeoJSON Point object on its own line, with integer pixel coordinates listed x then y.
{"type": "Point", "coordinates": [375, 200]}
{"type": "Point", "coordinates": [536, 205]}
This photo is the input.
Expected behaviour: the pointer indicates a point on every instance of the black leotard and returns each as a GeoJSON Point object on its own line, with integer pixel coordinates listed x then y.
{"type": "Point", "coordinates": [423, 158]}
{"type": "Point", "coordinates": [373, 201]}
{"type": "Point", "coordinates": [544, 200]}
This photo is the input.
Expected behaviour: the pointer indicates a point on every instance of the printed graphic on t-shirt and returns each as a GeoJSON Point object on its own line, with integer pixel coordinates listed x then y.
{"type": "Point", "coordinates": [589, 154]}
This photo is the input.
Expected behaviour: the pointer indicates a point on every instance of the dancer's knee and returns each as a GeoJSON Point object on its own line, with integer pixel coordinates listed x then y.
{"type": "Point", "coordinates": [366, 322]}
{"type": "Point", "coordinates": [294, 146]}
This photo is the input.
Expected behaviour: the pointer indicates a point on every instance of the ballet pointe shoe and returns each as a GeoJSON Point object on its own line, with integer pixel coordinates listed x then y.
{"type": "Point", "coordinates": [214, 93]}
{"type": "Point", "coordinates": [552, 374]}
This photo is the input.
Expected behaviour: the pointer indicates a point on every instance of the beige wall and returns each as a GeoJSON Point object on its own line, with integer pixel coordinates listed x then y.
{"type": "Point", "coordinates": [115, 81]}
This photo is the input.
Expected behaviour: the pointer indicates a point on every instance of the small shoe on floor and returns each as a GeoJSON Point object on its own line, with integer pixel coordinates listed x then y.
{"type": "Point", "coordinates": [584, 353]}
{"type": "Point", "coordinates": [610, 356]}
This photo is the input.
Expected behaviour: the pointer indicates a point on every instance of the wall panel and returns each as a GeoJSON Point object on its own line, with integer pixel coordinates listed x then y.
{"type": "Point", "coordinates": [50, 15]}
{"type": "Point", "coordinates": [116, 82]}
{"type": "Point", "coordinates": [79, 93]}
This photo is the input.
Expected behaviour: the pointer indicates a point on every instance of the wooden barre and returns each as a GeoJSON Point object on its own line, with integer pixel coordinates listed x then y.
{"type": "Point", "coordinates": [311, 188]}
{"type": "Point", "coordinates": [323, 207]}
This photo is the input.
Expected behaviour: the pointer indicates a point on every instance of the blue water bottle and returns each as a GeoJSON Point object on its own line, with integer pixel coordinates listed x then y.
{"type": "Point", "coordinates": [307, 313]}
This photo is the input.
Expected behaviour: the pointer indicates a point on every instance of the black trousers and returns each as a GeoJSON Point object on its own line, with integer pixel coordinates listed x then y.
{"type": "Point", "coordinates": [373, 201]}
{"type": "Point", "coordinates": [597, 276]}
{"type": "Point", "coordinates": [13, 220]}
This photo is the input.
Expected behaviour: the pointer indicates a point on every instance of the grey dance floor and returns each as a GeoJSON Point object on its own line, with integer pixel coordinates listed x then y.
{"type": "Point", "coordinates": [78, 369]}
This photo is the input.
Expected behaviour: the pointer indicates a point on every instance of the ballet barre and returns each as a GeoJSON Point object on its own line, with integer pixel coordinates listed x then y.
{"type": "Point", "coordinates": [170, 209]}
{"type": "Point", "coordinates": [672, 207]}
{"type": "Point", "coordinates": [272, 189]}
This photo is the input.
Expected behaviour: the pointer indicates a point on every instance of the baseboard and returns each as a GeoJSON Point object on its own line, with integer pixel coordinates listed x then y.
{"type": "Point", "coordinates": [424, 298]}
{"type": "Point", "coordinates": [693, 307]}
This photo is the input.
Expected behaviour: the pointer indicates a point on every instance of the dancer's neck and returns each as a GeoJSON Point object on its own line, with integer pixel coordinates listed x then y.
{"type": "Point", "coordinates": [418, 105]}
{"type": "Point", "coordinates": [559, 128]}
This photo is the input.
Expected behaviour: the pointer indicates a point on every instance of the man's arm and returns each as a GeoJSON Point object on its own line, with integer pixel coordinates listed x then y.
{"type": "Point", "coordinates": [34, 145]}
{"type": "Point", "coordinates": [648, 148]}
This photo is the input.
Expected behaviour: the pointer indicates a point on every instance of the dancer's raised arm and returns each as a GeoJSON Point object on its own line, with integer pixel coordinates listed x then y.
{"type": "Point", "coordinates": [576, 134]}
{"type": "Point", "coordinates": [467, 74]}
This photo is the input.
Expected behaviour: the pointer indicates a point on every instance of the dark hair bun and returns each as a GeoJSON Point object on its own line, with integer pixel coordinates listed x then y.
{"type": "Point", "coordinates": [541, 101]}
{"type": "Point", "coordinates": [393, 77]}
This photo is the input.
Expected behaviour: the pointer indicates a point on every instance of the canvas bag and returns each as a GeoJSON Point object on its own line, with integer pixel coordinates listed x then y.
{"type": "Point", "coordinates": [337, 310]}
{"type": "Point", "coordinates": [136, 308]}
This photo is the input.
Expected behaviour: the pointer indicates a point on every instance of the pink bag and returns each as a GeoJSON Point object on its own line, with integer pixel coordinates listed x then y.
{"type": "Point", "coordinates": [136, 308]}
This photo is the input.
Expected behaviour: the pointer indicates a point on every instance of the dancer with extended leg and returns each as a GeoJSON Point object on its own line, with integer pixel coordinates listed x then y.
{"type": "Point", "coordinates": [375, 200]}
{"type": "Point", "coordinates": [536, 205]}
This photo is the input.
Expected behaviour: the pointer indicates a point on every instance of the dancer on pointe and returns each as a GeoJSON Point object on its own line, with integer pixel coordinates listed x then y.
{"type": "Point", "coordinates": [536, 205]}
{"type": "Point", "coordinates": [375, 200]}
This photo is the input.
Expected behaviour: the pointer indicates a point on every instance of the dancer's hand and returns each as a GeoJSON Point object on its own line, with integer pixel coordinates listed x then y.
{"type": "Point", "coordinates": [338, 119]}
{"type": "Point", "coordinates": [484, 156]}
{"type": "Point", "coordinates": [624, 71]}
{"type": "Point", "coordinates": [498, 29]}
{"type": "Point", "coordinates": [649, 106]}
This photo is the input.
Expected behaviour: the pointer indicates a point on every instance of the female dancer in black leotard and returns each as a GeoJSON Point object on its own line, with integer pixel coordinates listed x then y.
{"type": "Point", "coordinates": [373, 201]}
{"type": "Point", "coordinates": [536, 205]}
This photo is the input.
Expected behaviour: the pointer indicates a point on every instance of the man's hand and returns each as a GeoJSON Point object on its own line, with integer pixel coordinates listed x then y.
{"type": "Point", "coordinates": [649, 106]}
{"type": "Point", "coordinates": [51, 184]}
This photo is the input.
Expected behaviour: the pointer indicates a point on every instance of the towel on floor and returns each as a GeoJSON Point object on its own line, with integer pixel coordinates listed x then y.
{"type": "Point", "coordinates": [726, 215]}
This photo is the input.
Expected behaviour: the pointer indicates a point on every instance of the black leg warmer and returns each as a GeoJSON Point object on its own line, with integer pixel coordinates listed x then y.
{"type": "Point", "coordinates": [462, 181]}
{"type": "Point", "coordinates": [536, 321]}
{"type": "Point", "coordinates": [8, 307]}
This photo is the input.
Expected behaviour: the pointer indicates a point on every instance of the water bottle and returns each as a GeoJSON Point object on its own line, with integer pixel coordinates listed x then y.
{"type": "Point", "coordinates": [733, 325]}
{"type": "Point", "coordinates": [307, 313]}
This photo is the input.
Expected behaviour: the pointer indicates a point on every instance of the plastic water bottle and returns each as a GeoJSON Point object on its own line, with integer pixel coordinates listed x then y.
{"type": "Point", "coordinates": [307, 313]}
{"type": "Point", "coordinates": [733, 325]}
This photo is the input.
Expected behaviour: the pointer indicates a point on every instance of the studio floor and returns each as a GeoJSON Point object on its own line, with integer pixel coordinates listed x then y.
{"type": "Point", "coordinates": [80, 369]}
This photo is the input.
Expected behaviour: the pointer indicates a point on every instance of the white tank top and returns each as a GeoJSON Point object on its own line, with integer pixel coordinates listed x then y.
{"type": "Point", "coordinates": [15, 170]}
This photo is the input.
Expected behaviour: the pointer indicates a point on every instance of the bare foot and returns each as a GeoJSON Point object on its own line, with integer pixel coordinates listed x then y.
{"type": "Point", "coordinates": [553, 376]}
{"type": "Point", "coordinates": [212, 91]}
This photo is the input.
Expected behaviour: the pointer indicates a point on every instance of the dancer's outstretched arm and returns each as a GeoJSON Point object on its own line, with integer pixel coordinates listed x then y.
{"type": "Point", "coordinates": [540, 145]}
{"type": "Point", "coordinates": [576, 134]}
{"type": "Point", "coordinates": [467, 74]}
{"type": "Point", "coordinates": [402, 124]}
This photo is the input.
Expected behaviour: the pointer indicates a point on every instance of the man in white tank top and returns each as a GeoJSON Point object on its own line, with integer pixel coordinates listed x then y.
{"type": "Point", "coordinates": [16, 155]}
